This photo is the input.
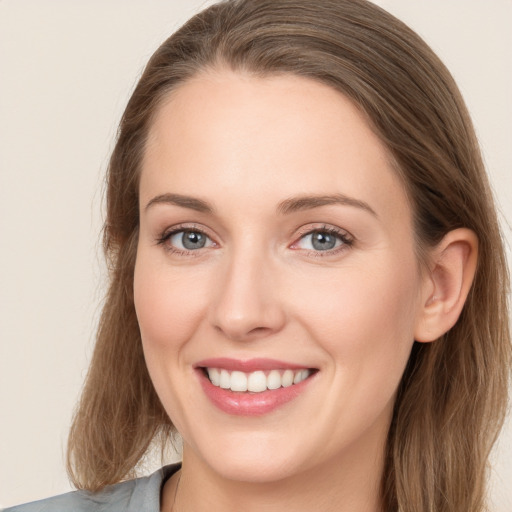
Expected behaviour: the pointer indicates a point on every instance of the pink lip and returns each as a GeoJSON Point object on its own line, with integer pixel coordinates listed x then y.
{"type": "Point", "coordinates": [249, 404]}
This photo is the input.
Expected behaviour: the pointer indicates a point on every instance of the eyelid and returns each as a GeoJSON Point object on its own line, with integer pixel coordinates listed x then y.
{"type": "Point", "coordinates": [165, 236]}
{"type": "Point", "coordinates": [346, 238]}
{"type": "Point", "coordinates": [319, 226]}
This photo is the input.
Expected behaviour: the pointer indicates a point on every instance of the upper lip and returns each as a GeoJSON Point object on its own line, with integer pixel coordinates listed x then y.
{"type": "Point", "coordinates": [248, 365]}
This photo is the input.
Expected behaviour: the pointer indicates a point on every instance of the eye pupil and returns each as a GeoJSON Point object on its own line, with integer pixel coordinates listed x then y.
{"type": "Point", "coordinates": [193, 240]}
{"type": "Point", "coordinates": [322, 241]}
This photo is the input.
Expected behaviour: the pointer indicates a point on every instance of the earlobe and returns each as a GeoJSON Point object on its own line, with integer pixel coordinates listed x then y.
{"type": "Point", "coordinates": [453, 266]}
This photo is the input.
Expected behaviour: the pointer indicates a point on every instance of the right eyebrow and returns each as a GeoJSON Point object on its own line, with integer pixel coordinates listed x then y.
{"type": "Point", "coordinates": [183, 201]}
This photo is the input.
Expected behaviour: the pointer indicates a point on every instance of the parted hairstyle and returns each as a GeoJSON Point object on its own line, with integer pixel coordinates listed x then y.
{"type": "Point", "coordinates": [452, 398]}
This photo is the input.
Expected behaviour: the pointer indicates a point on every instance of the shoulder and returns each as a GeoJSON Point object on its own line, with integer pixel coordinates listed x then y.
{"type": "Point", "coordinates": [139, 495]}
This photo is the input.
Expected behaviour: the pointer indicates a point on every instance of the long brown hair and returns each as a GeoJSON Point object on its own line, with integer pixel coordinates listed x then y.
{"type": "Point", "coordinates": [452, 399]}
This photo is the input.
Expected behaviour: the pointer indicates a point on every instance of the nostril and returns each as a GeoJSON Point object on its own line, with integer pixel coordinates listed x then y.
{"type": "Point", "coordinates": [258, 330]}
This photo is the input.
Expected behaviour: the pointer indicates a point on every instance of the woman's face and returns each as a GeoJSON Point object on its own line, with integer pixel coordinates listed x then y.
{"type": "Point", "coordinates": [275, 245]}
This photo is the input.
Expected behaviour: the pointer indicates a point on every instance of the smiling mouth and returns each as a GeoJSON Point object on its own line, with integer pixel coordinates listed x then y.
{"type": "Point", "coordinates": [253, 387]}
{"type": "Point", "coordinates": [256, 381]}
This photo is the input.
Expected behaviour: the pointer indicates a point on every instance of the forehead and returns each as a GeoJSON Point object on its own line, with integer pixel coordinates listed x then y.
{"type": "Point", "coordinates": [265, 138]}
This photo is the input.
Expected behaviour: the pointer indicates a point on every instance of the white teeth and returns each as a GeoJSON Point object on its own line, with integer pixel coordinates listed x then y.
{"type": "Point", "coordinates": [274, 380]}
{"type": "Point", "coordinates": [225, 379]}
{"type": "Point", "coordinates": [214, 375]}
{"type": "Point", "coordinates": [300, 376]}
{"type": "Point", "coordinates": [238, 381]}
{"type": "Point", "coordinates": [257, 381]}
{"type": "Point", "coordinates": [287, 378]}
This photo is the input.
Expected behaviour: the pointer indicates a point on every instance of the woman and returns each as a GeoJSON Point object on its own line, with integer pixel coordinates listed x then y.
{"type": "Point", "coordinates": [308, 280]}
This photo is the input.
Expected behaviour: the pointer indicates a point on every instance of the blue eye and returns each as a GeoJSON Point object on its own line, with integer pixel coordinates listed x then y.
{"type": "Point", "coordinates": [188, 240]}
{"type": "Point", "coordinates": [322, 240]}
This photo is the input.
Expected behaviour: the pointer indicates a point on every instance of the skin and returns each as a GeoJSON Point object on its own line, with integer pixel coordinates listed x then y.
{"type": "Point", "coordinates": [259, 289]}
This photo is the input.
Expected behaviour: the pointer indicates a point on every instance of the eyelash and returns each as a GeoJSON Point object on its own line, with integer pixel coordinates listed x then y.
{"type": "Point", "coordinates": [167, 235]}
{"type": "Point", "coordinates": [346, 240]}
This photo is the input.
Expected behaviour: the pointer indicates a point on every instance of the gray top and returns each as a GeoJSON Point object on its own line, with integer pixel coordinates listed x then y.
{"type": "Point", "coordinates": [139, 495]}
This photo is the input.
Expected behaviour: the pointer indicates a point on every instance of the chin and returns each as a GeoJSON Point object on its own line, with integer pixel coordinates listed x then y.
{"type": "Point", "coordinates": [250, 457]}
{"type": "Point", "coordinates": [261, 470]}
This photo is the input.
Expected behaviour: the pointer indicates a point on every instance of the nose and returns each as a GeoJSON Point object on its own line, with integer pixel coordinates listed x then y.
{"type": "Point", "coordinates": [248, 304]}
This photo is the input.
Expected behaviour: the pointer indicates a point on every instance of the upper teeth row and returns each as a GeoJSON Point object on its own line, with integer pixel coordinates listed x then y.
{"type": "Point", "coordinates": [255, 381]}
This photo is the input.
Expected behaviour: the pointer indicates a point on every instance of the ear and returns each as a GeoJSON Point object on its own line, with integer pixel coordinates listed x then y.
{"type": "Point", "coordinates": [452, 269]}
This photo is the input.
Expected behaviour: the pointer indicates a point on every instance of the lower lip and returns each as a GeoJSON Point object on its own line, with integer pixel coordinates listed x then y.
{"type": "Point", "coordinates": [247, 403]}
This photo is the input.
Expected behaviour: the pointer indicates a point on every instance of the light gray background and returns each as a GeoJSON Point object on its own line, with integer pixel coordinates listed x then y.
{"type": "Point", "coordinates": [66, 71]}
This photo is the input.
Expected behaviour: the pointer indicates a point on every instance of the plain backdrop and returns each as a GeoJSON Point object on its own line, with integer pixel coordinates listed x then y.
{"type": "Point", "coordinates": [66, 71]}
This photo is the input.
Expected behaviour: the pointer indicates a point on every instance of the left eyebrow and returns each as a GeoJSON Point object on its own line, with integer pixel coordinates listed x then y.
{"type": "Point", "coordinates": [295, 204]}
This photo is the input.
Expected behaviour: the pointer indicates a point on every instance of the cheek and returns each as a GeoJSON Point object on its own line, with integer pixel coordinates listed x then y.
{"type": "Point", "coordinates": [364, 317]}
{"type": "Point", "coordinates": [168, 304]}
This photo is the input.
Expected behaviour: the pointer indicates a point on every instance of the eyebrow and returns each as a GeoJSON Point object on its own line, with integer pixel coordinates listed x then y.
{"type": "Point", "coordinates": [291, 205]}
{"type": "Point", "coordinates": [192, 203]}
{"type": "Point", "coordinates": [308, 202]}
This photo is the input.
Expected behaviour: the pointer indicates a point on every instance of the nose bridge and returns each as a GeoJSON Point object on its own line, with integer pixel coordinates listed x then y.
{"type": "Point", "coordinates": [248, 303]}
